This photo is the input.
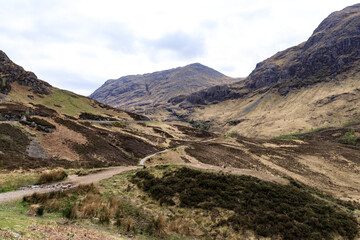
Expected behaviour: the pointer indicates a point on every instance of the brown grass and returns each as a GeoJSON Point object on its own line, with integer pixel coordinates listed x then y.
{"type": "Point", "coordinates": [56, 143]}
{"type": "Point", "coordinates": [52, 176]}
{"type": "Point", "coordinates": [181, 226]}
{"type": "Point", "coordinates": [321, 105]}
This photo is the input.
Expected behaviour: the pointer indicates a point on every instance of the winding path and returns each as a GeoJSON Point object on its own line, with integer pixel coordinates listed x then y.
{"type": "Point", "coordinates": [74, 180]}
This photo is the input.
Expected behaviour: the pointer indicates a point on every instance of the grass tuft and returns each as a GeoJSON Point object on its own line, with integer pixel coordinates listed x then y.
{"type": "Point", "coordinates": [52, 176]}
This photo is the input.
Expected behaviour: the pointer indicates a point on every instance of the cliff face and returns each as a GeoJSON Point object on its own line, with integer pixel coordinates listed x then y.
{"type": "Point", "coordinates": [10, 72]}
{"type": "Point", "coordinates": [311, 85]}
{"type": "Point", "coordinates": [139, 92]}
{"type": "Point", "coordinates": [333, 48]}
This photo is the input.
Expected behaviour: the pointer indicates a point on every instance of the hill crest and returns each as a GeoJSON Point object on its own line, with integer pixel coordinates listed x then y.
{"type": "Point", "coordinates": [142, 92]}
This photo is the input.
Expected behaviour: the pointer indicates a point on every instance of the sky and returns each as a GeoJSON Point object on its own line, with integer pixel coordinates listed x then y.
{"type": "Point", "coordinates": [79, 44]}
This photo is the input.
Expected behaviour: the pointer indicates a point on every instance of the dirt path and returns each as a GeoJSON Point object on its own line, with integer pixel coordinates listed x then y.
{"type": "Point", "coordinates": [74, 180]}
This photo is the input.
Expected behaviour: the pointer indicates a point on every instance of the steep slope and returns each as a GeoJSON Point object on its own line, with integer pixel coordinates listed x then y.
{"type": "Point", "coordinates": [140, 93]}
{"type": "Point", "coordinates": [310, 85]}
{"type": "Point", "coordinates": [42, 126]}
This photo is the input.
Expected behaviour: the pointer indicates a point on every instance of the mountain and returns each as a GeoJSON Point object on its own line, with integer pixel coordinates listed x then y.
{"type": "Point", "coordinates": [193, 184]}
{"type": "Point", "coordinates": [140, 93]}
{"type": "Point", "coordinates": [43, 126]}
{"type": "Point", "coordinates": [313, 84]}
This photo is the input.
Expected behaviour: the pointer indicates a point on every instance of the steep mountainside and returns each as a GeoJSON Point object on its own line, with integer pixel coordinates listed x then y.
{"type": "Point", "coordinates": [143, 92]}
{"type": "Point", "coordinates": [310, 85]}
{"type": "Point", "coordinates": [42, 126]}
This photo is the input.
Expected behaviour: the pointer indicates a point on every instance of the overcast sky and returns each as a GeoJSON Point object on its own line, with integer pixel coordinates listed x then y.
{"type": "Point", "coordinates": [79, 44]}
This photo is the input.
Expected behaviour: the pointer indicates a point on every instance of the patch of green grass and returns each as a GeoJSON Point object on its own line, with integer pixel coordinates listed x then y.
{"type": "Point", "coordinates": [13, 217]}
{"type": "Point", "coordinates": [350, 137]}
{"type": "Point", "coordinates": [293, 136]}
{"type": "Point", "coordinates": [350, 123]}
{"type": "Point", "coordinates": [13, 181]}
{"type": "Point", "coordinates": [287, 136]}
{"type": "Point", "coordinates": [266, 208]}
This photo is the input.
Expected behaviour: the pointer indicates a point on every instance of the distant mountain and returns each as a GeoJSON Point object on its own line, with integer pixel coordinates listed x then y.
{"type": "Point", "coordinates": [142, 92]}
{"type": "Point", "coordinates": [313, 84]}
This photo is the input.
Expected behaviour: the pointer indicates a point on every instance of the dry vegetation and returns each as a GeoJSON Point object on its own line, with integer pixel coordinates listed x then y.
{"type": "Point", "coordinates": [268, 209]}
{"type": "Point", "coordinates": [169, 201]}
{"type": "Point", "coordinates": [52, 176]}
{"type": "Point", "coordinates": [324, 104]}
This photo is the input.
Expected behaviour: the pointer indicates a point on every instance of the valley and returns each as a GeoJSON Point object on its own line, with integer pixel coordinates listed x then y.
{"type": "Point", "coordinates": [189, 153]}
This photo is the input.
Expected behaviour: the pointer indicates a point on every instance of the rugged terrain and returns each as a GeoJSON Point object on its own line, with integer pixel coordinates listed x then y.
{"type": "Point", "coordinates": [195, 184]}
{"type": "Point", "coordinates": [311, 85]}
{"type": "Point", "coordinates": [143, 93]}
{"type": "Point", "coordinates": [44, 126]}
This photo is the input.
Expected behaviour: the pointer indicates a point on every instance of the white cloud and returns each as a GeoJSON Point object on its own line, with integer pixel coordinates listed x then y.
{"type": "Point", "coordinates": [79, 44]}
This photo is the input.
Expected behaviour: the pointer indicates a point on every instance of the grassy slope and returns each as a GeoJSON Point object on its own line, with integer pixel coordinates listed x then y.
{"type": "Point", "coordinates": [321, 105]}
{"type": "Point", "coordinates": [64, 102]}
{"type": "Point", "coordinates": [198, 213]}
{"type": "Point", "coordinates": [15, 223]}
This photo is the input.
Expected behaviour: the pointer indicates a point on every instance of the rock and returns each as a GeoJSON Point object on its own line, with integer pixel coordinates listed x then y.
{"type": "Point", "coordinates": [10, 72]}
{"type": "Point", "coordinates": [332, 49]}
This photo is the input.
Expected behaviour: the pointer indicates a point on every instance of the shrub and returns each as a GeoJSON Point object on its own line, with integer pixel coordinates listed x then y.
{"type": "Point", "coordinates": [52, 176]}
{"type": "Point", "coordinates": [118, 124]}
{"type": "Point", "coordinates": [267, 208]}
{"type": "Point", "coordinates": [350, 137]}
{"type": "Point", "coordinates": [233, 134]}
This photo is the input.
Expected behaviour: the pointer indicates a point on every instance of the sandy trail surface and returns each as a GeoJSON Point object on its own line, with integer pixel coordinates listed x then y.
{"type": "Point", "coordinates": [74, 180]}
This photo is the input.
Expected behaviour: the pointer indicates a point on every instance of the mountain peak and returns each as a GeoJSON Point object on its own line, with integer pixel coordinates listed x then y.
{"type": "Point", "coordinates": [333, 48]}
{"type": "Point", "coordinates": [137, 92]}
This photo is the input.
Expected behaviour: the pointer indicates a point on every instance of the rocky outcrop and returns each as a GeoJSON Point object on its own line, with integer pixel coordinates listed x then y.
{"type": "Point", "coordinates": [213, 94]}
{"type": "Point", "coordinates": [10, 72]}
{"type": "Point", "coordinates": [140, 92]}
{"type": "Point", "coordinates": [333, 48]}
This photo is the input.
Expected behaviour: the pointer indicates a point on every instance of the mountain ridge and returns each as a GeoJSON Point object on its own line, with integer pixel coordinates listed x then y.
{"type": "Point", "coordinates": [325, 69]}
{"type": "Point", "coordinates": [331, 50]}
{"type": "Point", "coordinates": [133, 92]}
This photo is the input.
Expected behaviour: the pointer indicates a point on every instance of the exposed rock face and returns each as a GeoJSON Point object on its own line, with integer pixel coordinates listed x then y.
{"type": "Point", "coordinates": [139, 92]}
{"type": "Point", "coordinates": [10, 72]}
{"type": "Point", "coordinates": [333, 48]}
{"type": "Point", "coordinates": [211, 94]}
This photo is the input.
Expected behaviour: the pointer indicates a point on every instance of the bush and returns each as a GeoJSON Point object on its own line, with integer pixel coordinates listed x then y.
{"type": "Point", "coordinates": [233, 134]}
{"type": "Point", "coordinates": [118, 124]}
{"type": "Point", "coordinates": [52, 176]}
{"type": "Point", "coordinates": [350, 137]}
{"type": "Point", "coordinates": [267, 208]}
